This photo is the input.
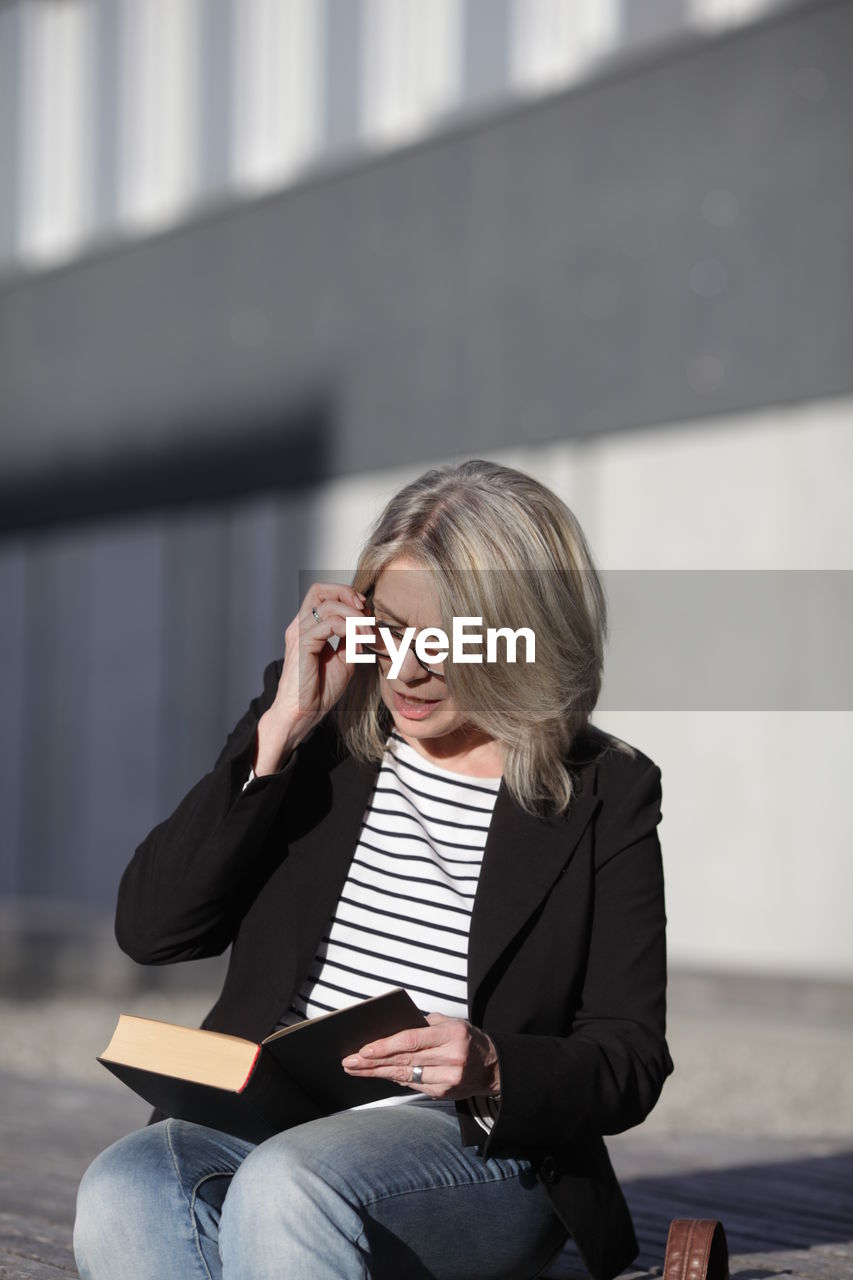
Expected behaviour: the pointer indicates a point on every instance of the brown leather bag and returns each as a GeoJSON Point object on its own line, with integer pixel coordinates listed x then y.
{"type": "Point", "coordinates": [696, 1249]}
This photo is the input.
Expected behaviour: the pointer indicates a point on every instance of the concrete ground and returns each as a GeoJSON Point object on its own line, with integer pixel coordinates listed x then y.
{"type": "Point", "coordinates": [748, 1063]}
{"type": "Point", "coordinates": [755, 1126]}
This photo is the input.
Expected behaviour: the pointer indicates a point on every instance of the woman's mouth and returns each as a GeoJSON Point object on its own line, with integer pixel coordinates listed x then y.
{"type": "Point", "coordinates": [414, 708]}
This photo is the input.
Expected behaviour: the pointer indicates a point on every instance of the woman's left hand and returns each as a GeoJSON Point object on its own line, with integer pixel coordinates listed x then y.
{"type": "Point", "coordinates": [457, 1060]}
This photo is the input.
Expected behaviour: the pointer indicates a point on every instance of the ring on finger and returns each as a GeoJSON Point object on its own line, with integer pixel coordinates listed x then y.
{"type": "Point", "coordinates": [317, 617]}
{"type": "Point", "coordinates": [417, 1075]}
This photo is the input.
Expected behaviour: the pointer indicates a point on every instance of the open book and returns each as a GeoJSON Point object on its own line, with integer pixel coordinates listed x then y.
{"type": "Point", "coordinates": [256, 1090]}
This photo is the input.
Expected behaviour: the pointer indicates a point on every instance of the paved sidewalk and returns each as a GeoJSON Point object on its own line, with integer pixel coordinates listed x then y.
{"type": "Point", "coordinates": [755, 1127]}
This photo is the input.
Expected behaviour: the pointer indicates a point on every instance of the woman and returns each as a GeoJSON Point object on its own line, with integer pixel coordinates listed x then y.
{"type": "Point", "coordinates": [461, 830]}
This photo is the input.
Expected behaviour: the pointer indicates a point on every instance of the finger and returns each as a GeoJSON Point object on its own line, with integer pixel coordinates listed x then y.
{"type": "Point", "coordinates": [430, 1078]}
{"type": "Point", "coordinates": [442, 1034]}
{"type": "Point", "coordinates": [315, 636]}
{"type": "Point", "coordinates": [447, 1054]}
{"type": "Point", "coordinates": [320, 592]}
{"type": "Point", "coordinates": [413, 1040]}
{"type": "Point", "coordinates": [325, 624]}
{"type": "Point", "coordinates": [327, 610]}
{"type": "Point", "coordinates": [331, 619]}
{"type": "Point", "coordinates": [333, 624]}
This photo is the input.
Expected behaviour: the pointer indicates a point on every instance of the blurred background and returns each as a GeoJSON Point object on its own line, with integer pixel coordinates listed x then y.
{"type": "Point", "coordinates": [264, 261]}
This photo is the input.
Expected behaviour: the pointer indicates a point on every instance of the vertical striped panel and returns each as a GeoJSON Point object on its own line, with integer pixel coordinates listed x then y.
{"type": "Point", "coordinates": [106, 124]}
{"type": "Point", "coordinates": [486, 54]}
{"type": "Point", "coordinates": [14, 558]}
{"type": "Point", "coordinates": [159, 50]}
{"type": "Point", "coordinates": [342, 72]}
{"type": "Point", "coordinates": [216, 93]}
{"type": "Point", "coordinates": [58, 681]}
{"type": "Point", "coordinates": [412, 57]}
{"type": "Point", "coordinates": [644, 23]}
{"type": "Point", "coordinates": [192, 640]}
{"type": "Point", "coordinates": [278, 47]}
{"type": "Point", "coordinates": [257, 569]}
{"type": "Point", "coordinates": [57, 127]}
{"type": "Point", "coordinates": [554, 42]}
{"type": "Point", "coordinates": [717, 14]}
{"type": "Point", "coordinates": [127, 652]}
{"type": "Point", "coordinates": [124, 738]}
{"type": "Point", "coordinates": [269, 541]}
{"type": "Point", "coordinates": [10, 41]}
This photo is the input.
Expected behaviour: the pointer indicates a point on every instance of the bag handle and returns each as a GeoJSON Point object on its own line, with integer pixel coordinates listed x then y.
{"type": "Point", "coordinates": [696, 1249]}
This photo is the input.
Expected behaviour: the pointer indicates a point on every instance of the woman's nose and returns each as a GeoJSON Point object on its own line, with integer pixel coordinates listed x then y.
{"type": "Point", "coordinates": [411, 672]}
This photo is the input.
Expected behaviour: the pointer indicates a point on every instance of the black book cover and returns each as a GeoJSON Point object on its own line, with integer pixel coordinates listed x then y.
{"type": "Point", "coordinates": [311, 1053]}
{"type": "Point", "coordinates": [296, 1075]}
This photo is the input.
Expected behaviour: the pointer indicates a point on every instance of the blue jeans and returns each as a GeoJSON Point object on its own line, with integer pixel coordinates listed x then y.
{"type": "Point", "coordinates": [387, 1192]}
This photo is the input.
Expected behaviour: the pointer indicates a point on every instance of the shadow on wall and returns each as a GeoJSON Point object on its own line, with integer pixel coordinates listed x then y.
{"type": "Point", "coordinates": [286, 453]}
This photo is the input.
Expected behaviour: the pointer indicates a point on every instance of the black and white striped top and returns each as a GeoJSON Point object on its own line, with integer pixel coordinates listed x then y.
{"type": "Point", "coordinates": [403, 916]}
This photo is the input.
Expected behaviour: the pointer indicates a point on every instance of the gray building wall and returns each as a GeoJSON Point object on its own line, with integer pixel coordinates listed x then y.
{"type": "Point", "coordinates": [126, 654]}
{"type": "Point", "coordinates": [668, 243]}
{"type": "Point", "coordinates": [671, 243]}
{"type": "Point", "coordinates": [10, 25]}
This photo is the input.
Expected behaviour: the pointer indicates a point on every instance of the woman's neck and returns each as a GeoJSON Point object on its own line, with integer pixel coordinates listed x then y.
{"type": "Point", "coordinates": [464, 751]}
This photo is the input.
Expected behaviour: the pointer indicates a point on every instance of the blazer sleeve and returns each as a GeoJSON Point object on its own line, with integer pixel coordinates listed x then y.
{"type": "Point", "coordinates": [177, 896]}
{"type": "Point", "coordinates": [607, 1073]}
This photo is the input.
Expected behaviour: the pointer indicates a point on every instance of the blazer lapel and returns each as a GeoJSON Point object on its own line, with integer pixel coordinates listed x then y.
{"type": "Point", "coordinates": [324, 854]}
{"type": "Point", "coordinates": [523, 857]}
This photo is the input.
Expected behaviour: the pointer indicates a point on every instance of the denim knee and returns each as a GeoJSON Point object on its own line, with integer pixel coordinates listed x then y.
{"type": "Point", "coordinates": [103, 1190]}
{"type": "Point", "coordinates": [284, 1190]}
{"type": "Point", "coordinates": [123, 1204]}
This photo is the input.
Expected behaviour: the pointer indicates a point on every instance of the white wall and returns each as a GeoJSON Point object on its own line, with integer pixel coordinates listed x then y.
{"type": "Point", "coordinates": [757, 830]}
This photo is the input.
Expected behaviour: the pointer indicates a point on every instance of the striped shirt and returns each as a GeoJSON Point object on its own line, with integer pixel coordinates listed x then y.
{"type": "Point", "coordinates": [403, 916]}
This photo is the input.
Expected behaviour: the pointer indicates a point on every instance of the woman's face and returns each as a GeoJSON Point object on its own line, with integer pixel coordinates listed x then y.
{"type": "Point", "coordinates": [418, 700]}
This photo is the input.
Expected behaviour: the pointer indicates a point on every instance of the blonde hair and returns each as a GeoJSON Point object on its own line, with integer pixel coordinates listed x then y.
{"type": "Point", "coordinates": [507, 549]}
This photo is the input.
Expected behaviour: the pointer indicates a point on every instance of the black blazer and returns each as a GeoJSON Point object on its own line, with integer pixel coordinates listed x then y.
{"type": "Point", "coordinates": [567, 962]}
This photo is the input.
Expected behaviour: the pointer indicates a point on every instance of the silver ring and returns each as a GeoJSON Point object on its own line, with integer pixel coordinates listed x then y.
{"type": "Point", "coordinates": [317, 617]}
{"type": "Point", "coordinates": [417, 1075]}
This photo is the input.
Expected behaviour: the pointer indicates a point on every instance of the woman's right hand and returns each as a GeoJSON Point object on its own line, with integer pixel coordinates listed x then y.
{"type": "Point", "coordinates": [314, 674]}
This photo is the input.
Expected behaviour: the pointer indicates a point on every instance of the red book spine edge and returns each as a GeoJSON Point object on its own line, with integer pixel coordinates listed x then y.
{"type": "Point", "coordinates": [251, 1069]}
